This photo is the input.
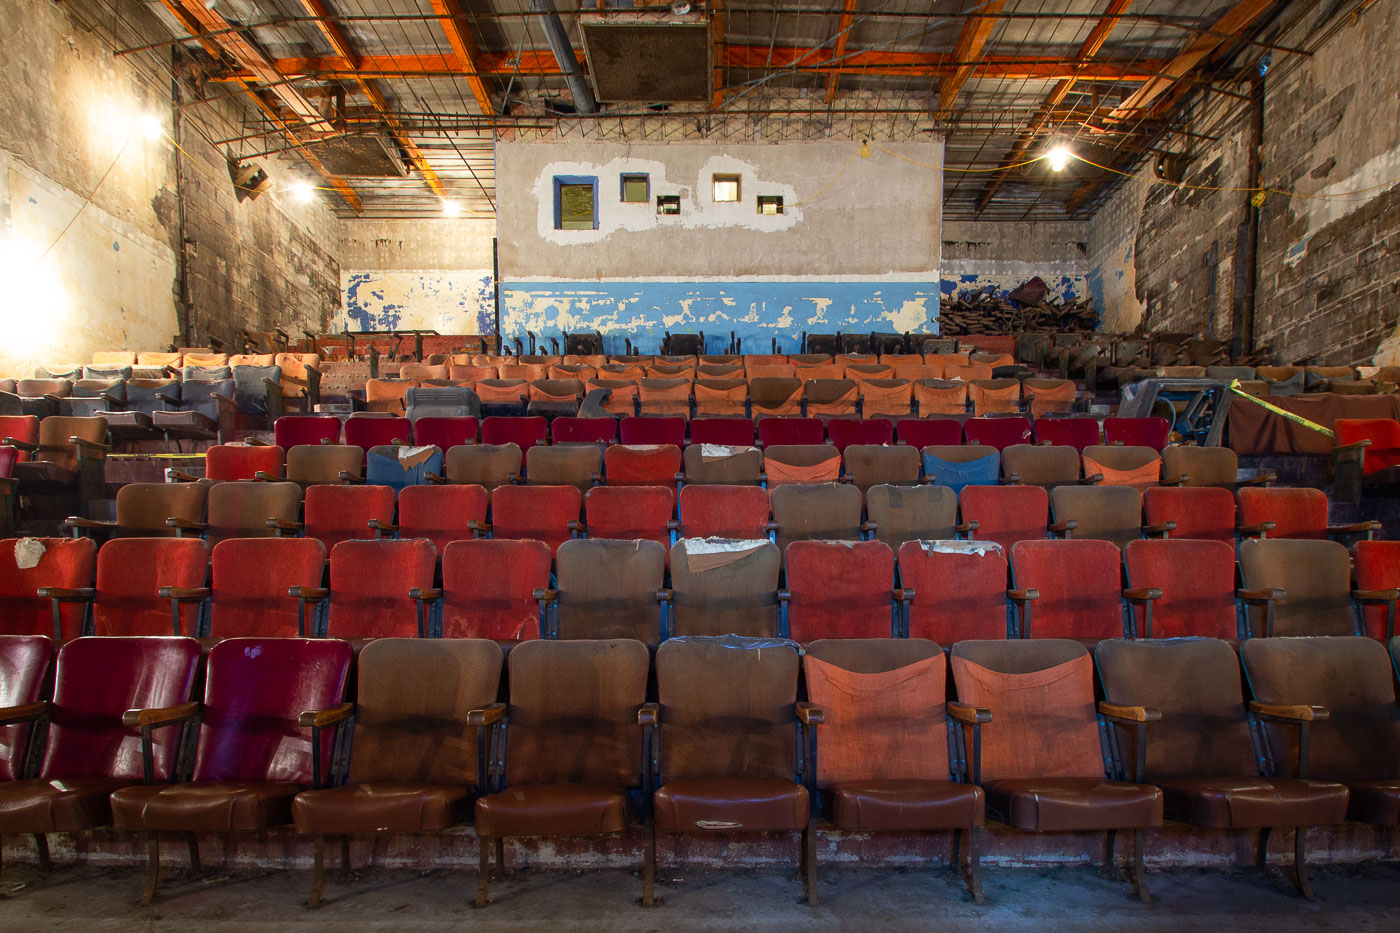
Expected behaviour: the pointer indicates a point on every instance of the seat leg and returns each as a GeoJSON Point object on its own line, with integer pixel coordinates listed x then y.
{"type": "Point", "coordinates": [152, 869]}
{"type": "Point", "coordinates": [809, 859]}
{"type": "Point", "coordinates": [974, 866]}
{"type": "Point", "coordinates": [1261, 858]}
{"type": "Point", "coordinates": [483, 873]}
{"type": "Point", "coordinates": [1139, 868]}
{"type": "Point", "coordinates": [41, 843]}
{"type": "Point", "coordinates": [500, 856]}
{"type": "Point", "coordinates": [193, 844]}
{"type": "Point", "coordinates": [955, 860]}
{"type": "Point", "coordinates": [649, 869]}
{"type": "Point", "coordinates": [1110, 842]}
{"type": "Point", "coordinates": [345, 855]}
{"type": "Point", "coordinates": [1300, 861]}
{"type": "Point", "coordinates": [318, 874]}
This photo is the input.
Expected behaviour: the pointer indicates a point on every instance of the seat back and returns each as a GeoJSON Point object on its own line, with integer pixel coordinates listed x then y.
{"type": "Point", "coordinates": [870, 465]}
{"type": "Point", "coordinates": [441, 513]}
{"type": "Point", "coordinates": [1139, 467]}
{"type": "Point", "coordinates": [254, 692]}
{"type": "Point", "coordinates": [1196, 684]}
{"type": "Point", "coordinates": [227, 462]}
{"type": "Point", "coordinates": [342, 513]}
{"type": "Point", "coordinates": [790, 431]}
{"type": "Point", "coordinates": [724, 511]}
{"type": "Point", "coordinates": [311, 465]}
{"type": "Point", "coordinates": [845, 432]}
{"type": "Point", "coordinates": [1296, 512]}
{"type": "Point", "coordinates": [251, 386]}
{"type": "Point", "coordinates": [722, 397]}
{"type": "Point", "coordinates": [911, 513]}
{"type": "Point", "coordinates": [241, 510]}
{"type": "Point", "coordinates": [940, 397]}
{"type": "Point", "coordinates": [444, 432]}
{"type": "Point", "coordinates": [664, 395]}
{"type": "Point", "coordinates": [727, 431]}
{"type": "Point", "coordinates": [1204, 512]}
{"type": "Point", "coordinates": [96, 680]}
{"type": "Point", "coordinates": [887, 397]}
{"type": "Point", "coordinates": [1000, 433]}
{"type": "Point", "coordinates": [485, 465]}
{"type": "Point", "coordinates": [801, 464]}
{"type": "Point", "coordinates": [724, 586]}
{"type": "Point", "coordinates": [727, 708]}
{"type": "Point", "coordinates": [959, 466]}
{"type": "Point", "coordinates": [1080, 584]}
{"type": "Point", "coordinates": [366, 432]}
{"type": "Point", "coordinates": [1200, 466]}
{"type": "Point", "coordinates": [1384, 435]}
{"type": "Point", "coordinates": [370, 581]}
{"type": "Point", "coordinates": [524, 432]}
{"type": "Point", "coordinates": [54, 432]}
{"type": "Point", "coordinates": [1006, 514]}
{"type": "Point", "coordinates": [1354, 680]}
{"type": "Point", "coordinates": [1067, 432]}
{"type": "Point", "coordinates": [1315, 577]}
{"type": "Point", "coordinates": [883, 701]}
{"type": "Point", "coordinates": [413, 697]}
{"type": "Point", "coordinates": [573, 712]}
{"type": "Point", "coordinates": [21, 428]}
{"type": "Point", "coordinates": [1377, 566]}
{"type": "Point", "coordinates": [630, 512]}
{"type": "Point", "coordinates": [828, 512]}
{"type": "Point", "coordinates": [650, 465]}
{"type": "Point", "coordinates": [1041, 695]}
{"type": "Point", "coordinates": [130, 571]}
{"type": "Point", "coordinates": [488, 588]}
{"type": "Point", "coordinates": [142, 508]}
{"type": "Point", "coordinates": [652, 430]}
{"type": "Point", "coordinates": [929, 432]}
{"type": "Point", "coordinates": [26, 663]}
{"type": "Point", "coordinates": [607, 589]}
{"type": "Point", "coordinates": [251, 580]}
{"type": "Point", "coordinates": [989, 396]}
{"type": "Point", "coordinates": [839, 590]}
{"type": "Point", "coordinates": [1137, 432]}
{"type": "Point", "coordinates": [1047, 466]}
{"type": "Point", "coordinates": [774, 395]}
{"type": "Point", "coordinates": [564, 465]}
{"type": "Point", "coordinates": [832, 397]}
{"type": "Point", "coordinates": [566, 430]}
{"type": "Point", "coordinates": [294, 430]}
{"type": "Point", "coordinates": [959, 589]}
{"type": "Point", "coordinates": [717, 464]}
{"type": "Point", "coordinates": [1104, 513]}
{"type": "Point", "coordinates": [388, 394]}
{"type": "Point", "coordinates": [1197, 580]}
{"type": "Point", "coordinates": [539, 512]}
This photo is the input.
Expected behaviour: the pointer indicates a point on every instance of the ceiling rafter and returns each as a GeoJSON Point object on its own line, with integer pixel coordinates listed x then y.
{"type": "Point", "coordinates": [843, 32]}
{"type": "Point", "coordinates": [459, 36]}
{"type": "Point", "coordinates": [970, 45]}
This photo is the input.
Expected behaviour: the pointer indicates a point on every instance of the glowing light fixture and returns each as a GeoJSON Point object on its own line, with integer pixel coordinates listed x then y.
{"type": "Point", "coordinates": [1059, 157]}
{"type": "Point", "coordinates": [451, 208]}
{"type": "Point", "coordinates": [149, 126]}
{"type": "Point", "coordinates": [302, 191]}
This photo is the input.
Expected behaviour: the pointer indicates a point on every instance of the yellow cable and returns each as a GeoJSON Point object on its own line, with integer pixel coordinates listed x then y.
{"type": "Point", "coordinates": [823, 188]}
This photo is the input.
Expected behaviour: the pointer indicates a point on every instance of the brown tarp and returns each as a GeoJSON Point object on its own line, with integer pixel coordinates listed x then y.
{"type": "Point", "coordinates": [1256, 430]}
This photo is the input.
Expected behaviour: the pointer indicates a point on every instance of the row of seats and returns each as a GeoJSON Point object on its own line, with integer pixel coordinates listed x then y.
{"type": "Point", "coordinates": [510, 588]}
{"type": "Point", "coordinates": [863, 736]}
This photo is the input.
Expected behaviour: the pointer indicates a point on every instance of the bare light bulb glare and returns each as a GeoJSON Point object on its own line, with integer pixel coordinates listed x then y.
{"type": "Point", "coordinates": [451, 208]}
{"type": "Point", "coordinates": [1058, 158]}
{"type": "Point", "coordinates": [149, 126]}
{"type": "Point", "coordinates": [302, 191]}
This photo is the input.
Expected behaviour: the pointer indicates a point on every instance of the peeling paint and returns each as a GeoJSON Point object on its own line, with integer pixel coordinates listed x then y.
{"type": "Point", "coordinates": [450, 302]}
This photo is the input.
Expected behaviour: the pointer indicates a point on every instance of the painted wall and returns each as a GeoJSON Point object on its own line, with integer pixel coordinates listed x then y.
{"type": "Point", "coordinates": [856, 248]}
{"type": "Point", "coordinates": [1003, 256]}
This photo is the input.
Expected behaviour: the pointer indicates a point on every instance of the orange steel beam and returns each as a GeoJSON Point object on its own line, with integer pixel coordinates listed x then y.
{"type": "Point", "coordinates": [341, 43]}
{"type": "Point", "coordinates": [194, 23]}
{"type": "Point", "coordinates": [464, 46]}
{"type": "Point", "coordinates": [541, 63]}
{"type": "Point", "coordinates": [843, 31]}
{"type": "Point", "coordinates": [971, 41]}
{"type": "Point", "coordinates": [717, 53]}
{"type": "Point", "coordinates": [1087, 50]}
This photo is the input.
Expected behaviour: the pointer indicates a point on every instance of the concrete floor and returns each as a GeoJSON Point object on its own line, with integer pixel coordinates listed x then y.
{"type": "Point", "coordinates": [1354, 899]}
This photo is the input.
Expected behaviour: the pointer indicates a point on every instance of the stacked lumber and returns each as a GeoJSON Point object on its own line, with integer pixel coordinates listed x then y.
{"type": "Point", "coordinates": [983, 312]}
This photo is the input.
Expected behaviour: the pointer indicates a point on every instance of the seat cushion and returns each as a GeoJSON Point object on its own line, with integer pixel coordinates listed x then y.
{"type": "Point", "coordinates": [128, 420]}
{"type": "Point", "coordinates": [906, 804]}
{"type": "Point", "coordinates": [1063, 804]}
{"type": "Point", "coordinates": [1247, 802]}
{"type": "Point", "coordinates": [58, 805]}
{"type": "Point", "coordinates": [205, 806]}
{"type": "Point", "coordinates": [731, 804]}
{"type": "Point", "coordinates": [552, 810]}
{"type": "Point", "coordinates": [380, 807]}
{"type": "Point", "coordinates": [186, 420]}
{"type": "Point", "coordinates": [1374, 801]}
{"type": "Point", "coordinates": [42, 471]}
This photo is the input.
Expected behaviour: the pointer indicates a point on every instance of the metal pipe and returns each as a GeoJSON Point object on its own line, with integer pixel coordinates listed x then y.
{"type": "Point", "coordinates": [558, 39]}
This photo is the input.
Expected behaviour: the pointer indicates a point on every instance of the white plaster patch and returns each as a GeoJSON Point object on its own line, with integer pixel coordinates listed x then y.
{"type": "Point", "coordinates": [910, 316]}
{"type": "Point", "coordinates": [1340, 198]}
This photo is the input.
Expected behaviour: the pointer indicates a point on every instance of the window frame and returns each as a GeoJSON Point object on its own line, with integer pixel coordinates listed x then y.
{"type": "Point", "coordinates": [560, 181]}
{"type": "Point", "coordinates": [718, 178]}
{"type": "Point", "coordinates": [622, 187]}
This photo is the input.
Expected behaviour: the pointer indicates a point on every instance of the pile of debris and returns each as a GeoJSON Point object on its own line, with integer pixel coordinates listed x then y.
{"type": "Point", "coordinates": [1026, 309]}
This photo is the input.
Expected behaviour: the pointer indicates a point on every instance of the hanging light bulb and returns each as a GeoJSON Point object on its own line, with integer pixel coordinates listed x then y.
{"type": "Point", "coordinates": [865, 148]}
{"type": "Point", "coordinates": [302, 191]}
{"type": "Point", "coordinates": [451, 208]}
{"type": "Point", "coordinates": [149, 126]}
{"type": "Point", "coordinates": [1059, 157]}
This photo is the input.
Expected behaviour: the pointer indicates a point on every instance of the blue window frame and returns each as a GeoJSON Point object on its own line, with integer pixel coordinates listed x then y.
{"type": "Point", "coordinates": [575, 202]}
{"type": "Point", "coordinates": [636, 188]}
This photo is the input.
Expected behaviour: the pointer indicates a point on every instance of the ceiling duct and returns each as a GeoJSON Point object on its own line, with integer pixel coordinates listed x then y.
{"type": "Point", "coordinates": [648, 56]}
{"type": "Point", "coordinates": [359, 156]}
{"type": "Point", "coordinates": [558, 38]}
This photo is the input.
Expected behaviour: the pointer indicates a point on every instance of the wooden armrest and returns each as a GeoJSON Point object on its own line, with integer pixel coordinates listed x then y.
{"type": "Point", "coordinates": [22, 445]}
{"type": "Point", "coordinates": [1095, 480]}
{"type": "Point", "coordinates": [1264, 478]}
{"type": "Point", "coordinates": [89, 446]}
{"type": "Point", "coordinates": [478, 526]}
{"type": "Point", "coordinates": [1068, 524]}
{"type": "Point", "coordinates": [1023, 596]}
{"type": "Point", "coordinates": [574, 525]}
{"type": "Point", "coordinates": [545, 594]}
{"type": "Point", "coordinates": [1129, 713]}
{"type": "Point", "coordinates": [664, 596]}
{"type": "Point", "coordinates": [1375, 596]}
{"type": "Point", "coordinates": [66, 595]}
{"type": "Point", "coordinates": [160, 717]}
{"type": "Point", "coordinates": [1258, 528]}
{"type": "Point", "coordinates": [1296, 713]}
{"type": "Point", "coordinates": [419, 592]}
{"type": "Point", "coordinates": [1260, 597]}
{"type": "Point", "coordinates": [345, 477]}
{"type": "Point", "coordinates": [809, 714]}
{"type": "Point", "coordinates": [320, 718]}
{"type": "Point", "coordinates": [25, 712]}
{"type": "Point", "coordinates": [1160, 528]}
{"type": "Point", "coordinates": [435, 479]}
{"type": "Point", "coordinates": [967, 528]}
{"type": "Point", "coordinates": [870, 527]}
{"type": "Point", "coordinates": [308, 592]}
{"type": "Point", "coordinates": [74, 521]}
{"type": "Point", "coordinates": [387, 528]}
{"type": "Point", "coordinates": [185, 524]}
{"type": "Point", "coordinates": [281, 524]}
{"type": "Point", "coordinates": [485, 717]}
{"type": "Point", "coordinates": [1013, 480]}
{"type": "Point", "coordinates": [1142, 594]}
{"type": "Point", "coordinates": [969, 715]}
{"type": "Point", "coordinates": [648, 714]}
{"type": "Point", "coordinates": [903, 594]}
{"type": "Point", "coordinates": [180, 476]}
{"type": "Point", "coordinates": [184, 594]}
{"type": "Point", "coordinates": [1354, 528]}
{"type": "Point", "coordinates": [784, 596]}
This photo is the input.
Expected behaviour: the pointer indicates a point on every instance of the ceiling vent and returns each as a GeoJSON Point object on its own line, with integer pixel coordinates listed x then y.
{"type": "Point", "coordinates": [648, 57]}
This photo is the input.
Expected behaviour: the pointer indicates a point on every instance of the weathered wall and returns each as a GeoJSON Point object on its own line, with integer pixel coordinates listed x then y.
{"type": "Point", "coordinates": [1004, 256]}
{"type": "Point", "coordinates": [417, 274]}
{"type": "Point", "coordinates": [1329, 267]}
{"type": "Point", "coordinates": [70, 107]}
{"type": "Point", "coordinates": [856, 248]}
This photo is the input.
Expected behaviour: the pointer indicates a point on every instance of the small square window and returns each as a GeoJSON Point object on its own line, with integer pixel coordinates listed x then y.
{"type": "Point", "coordinates": [770, 204]}
{"type": "Point", "coordinates": [726, 187]}
{"type": "Point", "coordinates": [636, 189]}
{"type": "Point", "coordinates": [575, 202]}
{"type": "Point", "coordinates": [668, 204]}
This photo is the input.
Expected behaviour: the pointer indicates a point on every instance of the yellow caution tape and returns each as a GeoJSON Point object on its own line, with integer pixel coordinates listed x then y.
{"type": "Point", "coordinates": [1299, 419]}
{"type": "Point", "coordinates": [189, 456]}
